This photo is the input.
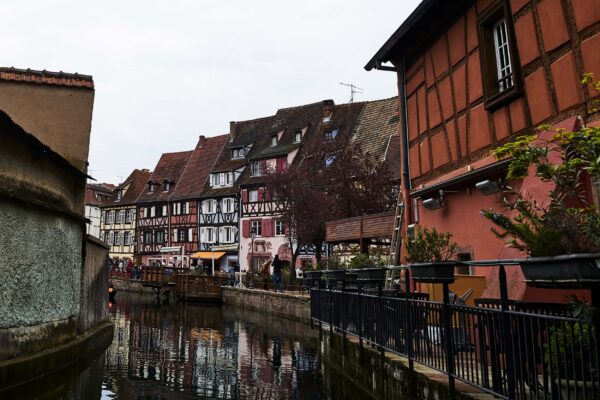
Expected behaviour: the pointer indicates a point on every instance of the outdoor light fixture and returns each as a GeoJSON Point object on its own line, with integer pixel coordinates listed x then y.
{"type": "Point", "coordinates": [435, 202]}
{"type": "Point", "coordinates": [488, 187]}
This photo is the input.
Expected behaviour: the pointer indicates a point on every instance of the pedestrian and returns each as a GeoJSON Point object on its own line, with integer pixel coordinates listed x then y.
{"type": "Point", "coordinates": [277, 274]}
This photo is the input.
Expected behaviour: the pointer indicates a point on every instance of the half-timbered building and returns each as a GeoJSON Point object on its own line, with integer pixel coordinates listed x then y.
{"type": "Point", "coordinates": [276, 146]}
{"type": "Point", "coordinates": [184, 202]}
{"type": "Point", "coordinates": [118, 218]}
{"type": "Point", "coordinates": [154, 211]}
{"type": "Point", "coordinates": [473, 75]}
{"type": "Point", "coordinates": [95, 196]}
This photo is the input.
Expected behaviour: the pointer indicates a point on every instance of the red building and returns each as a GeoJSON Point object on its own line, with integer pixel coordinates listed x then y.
{"type": "Point", "coordinates": [472, 75]}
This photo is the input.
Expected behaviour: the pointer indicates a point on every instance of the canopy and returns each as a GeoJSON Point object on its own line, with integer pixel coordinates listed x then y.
{"type": "Point", "coordinates": [208, 255]}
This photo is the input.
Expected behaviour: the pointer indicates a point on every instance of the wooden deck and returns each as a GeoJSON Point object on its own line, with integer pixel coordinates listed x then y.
{"type": "Point", "coordinates": [375, 226]}
{"type": "Point", "coordinates": [195, 287]}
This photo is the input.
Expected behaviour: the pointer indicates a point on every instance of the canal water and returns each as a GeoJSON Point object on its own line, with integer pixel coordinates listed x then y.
{"type": "Point", "coordinates": [189, 351]}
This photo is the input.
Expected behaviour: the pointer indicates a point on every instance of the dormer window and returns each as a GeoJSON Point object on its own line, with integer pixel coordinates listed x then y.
{"type": "Point", "coordinates": [297, 136]}
{"type": "Point", "coordinates": [327, 118]}
{"type": "Point", "coordinates": [329, 159]}
{"type": "Point", "coordinates": [273, 140]}
{"type": "Point", "coordinates": [331, 134]}
{"type": "Point", "coordinates": [256, 168]}
{"type": "Point", "coordinates": [166, 186]}
{"type": "Point", "coordinates": [151, 187]}
{"type": "Point", "coordinates": [119, 194]}
{"type": "Point", "coordinates": [238, 152]}
{"type": "Point", "coordinates": [221, 179]}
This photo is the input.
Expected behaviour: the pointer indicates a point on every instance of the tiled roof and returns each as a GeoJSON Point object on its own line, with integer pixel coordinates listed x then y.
{"type": "Point", "coordinates": [46, 77]}
{"type": "Point", "coordinates": [392, 156]}
{"type": "Point", "coordinates": [91, 191]}
{"type": "Point", "coordinates": [378, 122]}
{"type": "Point", "coordinates": [169, 168]}
{"type": "Point", "coordinates": [199, 166]}
{"type": "Point", "coordinates": [134, 185]}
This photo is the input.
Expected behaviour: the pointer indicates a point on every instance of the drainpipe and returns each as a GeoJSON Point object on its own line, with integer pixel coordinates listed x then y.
{"type": "Point", "coordinates": [406, 183]}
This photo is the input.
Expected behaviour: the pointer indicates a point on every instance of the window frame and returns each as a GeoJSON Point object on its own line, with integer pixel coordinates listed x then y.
{"type": "Point", "coordinates": [250, 196]}
{"type": "Point", "coordinates": [274, 140]}
{"type": "Point", "coordinates": [493, 96]}
{"type": "Point", "coordinates": [129, 215]}
{"type": "Point", "coordinates": [297, 136]}
{"type": "Point", "coordinates": [279, 228]}
{"type": "Point", "coordinates": [258, 226]}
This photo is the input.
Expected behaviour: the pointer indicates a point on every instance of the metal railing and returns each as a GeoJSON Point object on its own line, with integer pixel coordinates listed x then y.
{"type": "Point", "coordinates": [508, 353]}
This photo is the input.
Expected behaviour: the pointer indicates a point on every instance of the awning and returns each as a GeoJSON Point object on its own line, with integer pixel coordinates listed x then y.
{"type": "Point", "coordinates": [208, 255]}
{"type": "Point", "coordinates": [175, 249]}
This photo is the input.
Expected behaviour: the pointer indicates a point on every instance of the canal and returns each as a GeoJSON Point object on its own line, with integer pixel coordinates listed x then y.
{"type": "Point", "coordinates": [176, 350]}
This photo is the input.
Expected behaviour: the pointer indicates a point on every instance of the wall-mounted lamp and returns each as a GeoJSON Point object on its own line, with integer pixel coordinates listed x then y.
{"type": "Point", "coordinates": [435, 203]}
{"type": "Point", "coordinates": [488, 187]}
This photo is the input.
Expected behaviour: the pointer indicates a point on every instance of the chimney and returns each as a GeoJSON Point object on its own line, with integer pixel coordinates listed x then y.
{"type": "Point", "coordinates": [231, 131]}
{"type": "Point", "coordinates": [201, 141]}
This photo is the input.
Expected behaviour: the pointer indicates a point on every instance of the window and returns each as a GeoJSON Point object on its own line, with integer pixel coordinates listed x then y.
{"type": "Point", "coordinates": [252, 196]}
{"type": "Point", "coordinates": [207, 235]}
{"type": "Point", "coordinates": [117, 239]}
{"type": "Point", "coordinates": [127, 238]}
{"type": "Point", "coordinates": [298, 136]}
{"type": "Point", "coordinates": [128, 215]}
{"type": "Point", "coordinates": [279, 229]}
{"type": "Point", "coordinates": [108, 237]}
{"type": "Point", "coordinates": [119, 194]}
{"type": "Point", "coordinates": [228, 205]}
{"type": "Point", "coordinates": [152, 212]}
{"type": "Point", "coordinates": [329, 160]}
{"type": "Point", "coordinates": [166, 186]}
{"type": "Point", "coordinates": [256, 168]}
{"type": "Point", "coordinates": [160, 236]}
{"type": "Point", "coordinates": [110, 217]}
{"type": "Point", "coordinates": [256, 225]}
{"type": "Point", "coordinates": [148, 237]}
{"type": "Point", "coordinates": [181, 235]}
{"type": "Point", "coordinates": [186, 208]}
{"type": "Point", "coordinates": [227, 234]}
{"type": "Point", "coordinates": [150, 187]}
{"type": "Point", "coordinates": [331, 134]}
{"type": "Point", "coordinates": [120, 217]}
{"type": "Point", "coordinates": [273, 140]}
{"type": "Point", "coordinates": [238, 152]}
{"type": "Point", "coordinates": [176, 208]}
{"type": "Point", "coordinates": [501, 75]}
{"type": "Point", "coordinates": [327, 117]}
{"type": "Point", "coordinates": [145, 212]}
{"type": "Point", "coordinates": [209, 206]}
{"type": "Point", "coordinates": [229, 178]}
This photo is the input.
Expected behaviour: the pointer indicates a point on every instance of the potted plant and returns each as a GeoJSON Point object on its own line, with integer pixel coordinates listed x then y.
{"type": "Point", "coordinates": [562, 236]}
{"type": "Point", "coordinates": [429, 254]}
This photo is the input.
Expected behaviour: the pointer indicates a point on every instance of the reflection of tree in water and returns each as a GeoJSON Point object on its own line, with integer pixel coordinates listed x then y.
{"type": "Point", "coordinates": [191, 350]}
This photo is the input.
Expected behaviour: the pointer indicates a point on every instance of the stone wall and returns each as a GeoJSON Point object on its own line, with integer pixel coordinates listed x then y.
{"type": "Point", "coordinates": [40, 270]}
{"type": "Point", "coordinates": [94, 286]}
{"type": "Point", "coordinates": [295, 306]}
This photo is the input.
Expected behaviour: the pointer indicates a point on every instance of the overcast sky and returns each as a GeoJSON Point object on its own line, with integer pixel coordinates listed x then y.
{"type": "Point", "coordinates": [166, 72]}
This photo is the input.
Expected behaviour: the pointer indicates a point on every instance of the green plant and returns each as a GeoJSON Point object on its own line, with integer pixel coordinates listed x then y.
{"type": "Point", "coordinates": [569, 349]}
{"type": "Point", "coordinates": [568, 223]}
{"type": "Point", "coordinates": [429, 245]}
{"type": "Point", "coordinates": [361, 261]}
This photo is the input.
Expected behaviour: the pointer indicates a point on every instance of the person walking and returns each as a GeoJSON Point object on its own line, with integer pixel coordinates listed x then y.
{"type": "Point", "coordinates": [277, 279]}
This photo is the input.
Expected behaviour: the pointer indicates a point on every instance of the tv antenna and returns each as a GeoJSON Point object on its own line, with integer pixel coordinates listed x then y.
{"type": "Point", "coordinates": [353, 90]}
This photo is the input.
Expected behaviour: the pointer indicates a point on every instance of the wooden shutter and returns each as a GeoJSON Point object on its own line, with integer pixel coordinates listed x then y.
{"type": "Point", "coordinates": [259, 194]}
{"type": "Point", "coordinates": [202, 235]}
{"type": "Point", "coordinates": [190, 234]}
{"type": "Point", "coordinates": [245, 195]}
{"type": "Point", "coordinates": [175, 235]}
{"type": "Point", "coordinates": [267, 227]}
{"type": "Point", "coordinates": [246, 228]}
{"type": "Point", "coordinates": [165, 210]}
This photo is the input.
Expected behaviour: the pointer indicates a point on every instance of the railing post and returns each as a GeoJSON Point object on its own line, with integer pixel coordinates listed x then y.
{"type": "Point", "coordinates": [343, 319]}
{"type": "Point", "coordinates": [360, 322]}
{"type": "Point", "coordinates": [507, 336]}
{"type": "Point", "coordinates": [330, 282]}
{"type": "Point", "coordinates": [408, 318]}
{"type": "Point", "coordinates": [380, 322]}
{"type": "Point", "coordinates": [448, 342]}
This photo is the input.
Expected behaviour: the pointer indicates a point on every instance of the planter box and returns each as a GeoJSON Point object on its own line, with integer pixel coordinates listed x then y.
{"type": "Point", "coordinates": [433, 272]}
{"type": "Point", "coordinates": [371, 274]}
{"type": "Point", "coordinates": [335, 274]}
{"type": "Point", "coordinates": [568, 271]}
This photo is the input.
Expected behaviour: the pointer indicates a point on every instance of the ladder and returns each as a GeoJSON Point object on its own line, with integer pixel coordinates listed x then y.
{"type": "Point", "coordinates": [396, 242]}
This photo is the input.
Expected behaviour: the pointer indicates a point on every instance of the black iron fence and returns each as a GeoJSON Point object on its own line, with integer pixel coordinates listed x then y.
{"type": "Point", "coordinates": [508, 353]}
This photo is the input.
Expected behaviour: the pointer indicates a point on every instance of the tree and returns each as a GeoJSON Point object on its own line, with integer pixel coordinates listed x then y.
{"type": "Point", "coordinates": [330, 181]}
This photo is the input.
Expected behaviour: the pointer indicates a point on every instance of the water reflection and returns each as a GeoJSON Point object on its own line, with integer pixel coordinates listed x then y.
{"type": "Point", "coordinates": [183, 350]}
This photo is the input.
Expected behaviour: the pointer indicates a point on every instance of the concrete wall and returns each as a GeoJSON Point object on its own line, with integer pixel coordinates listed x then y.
{"type": "Point", "coordinates": [94, 288]}
{"type": "Point", "coordinates": [58, 116]}
{"type": "Point", "coordinates": [287, 305]}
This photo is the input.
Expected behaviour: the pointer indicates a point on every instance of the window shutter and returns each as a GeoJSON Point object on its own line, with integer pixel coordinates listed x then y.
{"type": "Point", "coordinates": [281, 164]}
{"type": "Point", "coordinates": [190, 234]}
{"type": "Point", "coordinates": [152, 211]}
{"type": "Point", "coordinates": [174, 235]}
{"type": "Point", "coordinates": [234, 232]}
{"type": "Point", "coordinates": [202, 235]}
{"type": "Point", "coordinates": [145, 212]}
{"type": "Point", "coordinates": [245, 195]}
{"type": "Point", "coordinates": [221, 235]}
{"type": "Point", "coordinates": [268, 196]}
{"type": "Point", "coordinates": [267, 227]}
{"type": "Point", "coordinates": [186, 207]}
{"type": "Point", "coordinates": [246, 228]}
{"type": "Point", "coordinates": [165, 210]}
{"type": "Point", "coordinates": [260, 194]}
{"type": "Point", "coordinates": [204, 206]}
{"type": "Point", "coordinates": [214, 208]}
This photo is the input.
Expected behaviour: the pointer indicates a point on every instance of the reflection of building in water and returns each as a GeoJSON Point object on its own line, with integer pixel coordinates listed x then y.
{"type": "Point", "coordinates": [188, 348]}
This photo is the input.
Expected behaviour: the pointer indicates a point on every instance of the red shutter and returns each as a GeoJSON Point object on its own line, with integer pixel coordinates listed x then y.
{"type": "Point", "coordinates": [281, 164]}
{"type": "Point", "coordinates": [246, 228]}
{"type": "Point", "coordinates": [268, 195]}
{"type": "Point", "coordinates": [245, 196]}
{"type": "Point", "coordinates": [267, 227]}
{"type": "Point", "coordinates": [260, 193]}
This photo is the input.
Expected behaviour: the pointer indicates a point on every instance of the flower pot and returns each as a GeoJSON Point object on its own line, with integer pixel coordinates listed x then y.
{"type": "Point", "coordinates": [312, 278]}
{"type": "Point", "coordinates": [335, 274]}
{"type": "Point", "coordinates": [371, 274]}
{"type": "Point", "coordinates": [566, 271]}
{"type": "Point", "coordinates": [433, 272]}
